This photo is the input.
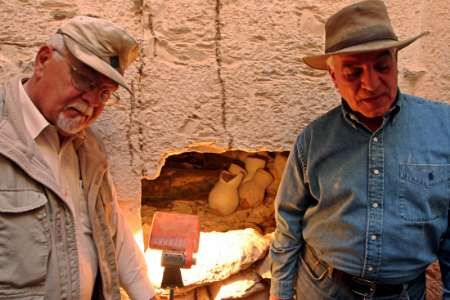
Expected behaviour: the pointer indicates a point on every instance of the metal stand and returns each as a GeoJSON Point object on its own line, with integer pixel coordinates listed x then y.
{"type": "Point", "coordinates": [172, 273]}
{"type": "Point", "coordinates": [171, 293]}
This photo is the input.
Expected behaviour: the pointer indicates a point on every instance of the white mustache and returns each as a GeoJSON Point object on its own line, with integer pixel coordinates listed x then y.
{"type": "Point", "coordinates": [82, 107]}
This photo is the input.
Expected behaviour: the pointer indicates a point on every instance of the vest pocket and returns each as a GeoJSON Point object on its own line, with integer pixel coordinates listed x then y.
{"type": "Point", "coordinates": [424, 192]}
{"type": "Point", "coordinates": [24, 242]}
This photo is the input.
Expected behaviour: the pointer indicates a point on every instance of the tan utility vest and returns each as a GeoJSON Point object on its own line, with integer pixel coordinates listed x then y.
{"type": "Point", "coordinates": [38, 252]}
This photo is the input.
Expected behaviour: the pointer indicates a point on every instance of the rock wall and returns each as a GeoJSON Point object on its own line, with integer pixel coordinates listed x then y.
{"type": "Point", "coordinates": [217, 75]}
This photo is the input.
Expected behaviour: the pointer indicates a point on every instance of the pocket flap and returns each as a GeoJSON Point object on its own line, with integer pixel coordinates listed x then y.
{"type": "Point", "coordinates": [425, 174]}
{"type": "Point", "coordinates": [21, 201]}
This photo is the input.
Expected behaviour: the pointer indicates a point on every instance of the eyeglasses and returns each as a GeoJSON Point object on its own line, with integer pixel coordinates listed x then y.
{"type": "Point", "coordinates": [83, 82]}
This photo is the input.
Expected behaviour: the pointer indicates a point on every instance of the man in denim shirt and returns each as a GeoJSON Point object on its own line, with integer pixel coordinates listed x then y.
{"type": "Point", "coordinates": [362, 209]}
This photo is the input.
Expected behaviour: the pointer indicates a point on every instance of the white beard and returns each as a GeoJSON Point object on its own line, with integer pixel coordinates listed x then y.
{"type": "Point", "coordinates": [73, 125]}
{"type": "Point", "coordinates": [70, 126]}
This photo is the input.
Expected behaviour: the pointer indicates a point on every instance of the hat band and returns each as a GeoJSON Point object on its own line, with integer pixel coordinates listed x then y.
{"type": "Point", "coordinates": [365, 35]}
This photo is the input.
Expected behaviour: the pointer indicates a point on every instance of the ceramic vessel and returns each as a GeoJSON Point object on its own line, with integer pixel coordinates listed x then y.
{"type": "Point", "coordinates": [236, 169]}
{"type": "Point", "coordinates": [251, 192]}
{"type": "Point", "coordinates": [224, 197]}
{"type": "Point", "coordinates": [242, 156]}
{"type": "Point", "coordinates": [251, 165]}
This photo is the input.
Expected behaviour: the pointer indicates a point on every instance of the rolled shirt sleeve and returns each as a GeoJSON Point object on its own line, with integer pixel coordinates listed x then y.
{"type": "Point", "coordinates": [131, 263]}
{"type": "Point", "coordinates": [444, 263]}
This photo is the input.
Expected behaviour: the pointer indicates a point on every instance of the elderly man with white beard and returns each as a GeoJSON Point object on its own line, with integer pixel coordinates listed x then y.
{"type": "Point", "coordinates": [62, 235]}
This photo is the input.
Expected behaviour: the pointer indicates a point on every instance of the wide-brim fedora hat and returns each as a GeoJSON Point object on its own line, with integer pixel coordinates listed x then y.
{"type": "Point", "coordinates": [358, 28]}
{"type": "Point", "coordinates": [100, 44]}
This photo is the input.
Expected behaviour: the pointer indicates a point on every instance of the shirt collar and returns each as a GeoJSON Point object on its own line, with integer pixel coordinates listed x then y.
{"type": "Point", "coordinates": [35, 122]}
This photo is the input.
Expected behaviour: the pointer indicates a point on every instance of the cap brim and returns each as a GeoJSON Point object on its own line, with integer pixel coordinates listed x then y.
{"type": "Point", "coordinates": [94, 62]}
{"type": "Point", "coordinates": [319, 61]}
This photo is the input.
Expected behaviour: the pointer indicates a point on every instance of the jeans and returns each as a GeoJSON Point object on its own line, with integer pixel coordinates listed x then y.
{"type": "Point", "coordinates": [314, 283]}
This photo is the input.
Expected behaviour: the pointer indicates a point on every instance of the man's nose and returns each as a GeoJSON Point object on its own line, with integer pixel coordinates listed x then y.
{"type": "Point", "coordinates": [370, 79]}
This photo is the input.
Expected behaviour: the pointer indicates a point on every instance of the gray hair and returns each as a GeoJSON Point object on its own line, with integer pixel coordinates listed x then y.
{"type": "Point", "coordinates": [330, 59]}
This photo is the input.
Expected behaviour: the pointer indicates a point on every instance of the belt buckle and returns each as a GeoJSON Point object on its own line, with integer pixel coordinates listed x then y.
{"type": "Point", "coordinates": [368, 287]}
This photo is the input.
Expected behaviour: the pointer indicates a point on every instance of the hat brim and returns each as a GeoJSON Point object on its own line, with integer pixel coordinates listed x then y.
{"type": "Point", "coordinates": [319, 61]}
{"type": "Point", "coordinates": [93, 61]}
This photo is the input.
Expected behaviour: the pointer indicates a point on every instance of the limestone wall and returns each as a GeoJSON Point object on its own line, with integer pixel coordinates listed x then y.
{"type": "Point", "coordinates": [219, 74]}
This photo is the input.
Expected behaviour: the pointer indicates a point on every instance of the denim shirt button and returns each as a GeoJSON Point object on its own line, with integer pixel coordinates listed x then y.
{"type": "Point", "coordinates": [376, 172]}
{"type": "Point", "coordinates": [373, 237]}
{"type": "Point", "coordinates": [370, 268]}
{"type": "Point", "coordinates": [375, 139]}
{"type": "Point", "coordinates": [375, 205]}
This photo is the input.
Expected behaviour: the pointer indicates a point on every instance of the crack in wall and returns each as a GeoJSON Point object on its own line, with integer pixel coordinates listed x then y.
{"type": "Point", "coordinates": [155, 40]}
{"type": "Point", "coordinates": [135, 103]}
{"type": "Point", "coordinates": [139, 101]}
{"type": "Point", "coordinates": [218, 39]}
{"type": "Point", "coordinates": [141, 149]}
{"type": "Point", "coordinates": [130, 125]}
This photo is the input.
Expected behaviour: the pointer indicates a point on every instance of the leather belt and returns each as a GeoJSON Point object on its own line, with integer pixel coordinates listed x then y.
{"type": "Point", "coordinates": [364, 287]}
{"type": "Point", "coordinates": [358, 285]}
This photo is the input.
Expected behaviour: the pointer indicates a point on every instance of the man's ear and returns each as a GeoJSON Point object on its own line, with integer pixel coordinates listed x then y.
{"type": "Point", "coordinates": [333, 76]}
{"type": "Point", "coordinates": [43, 57]}
{"type": "Point", "coordinates": [396, 58]}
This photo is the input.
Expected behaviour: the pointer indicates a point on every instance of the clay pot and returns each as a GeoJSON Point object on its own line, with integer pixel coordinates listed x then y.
{"type": "Point", "coordinates": [236, 169]}
{"type": "Point", "coordinates": [224, 197]}
{"type": "Point", "coordinates": [251, 165]}
{"type": "Point", "coordinates": [251, 193]}
{"type": "Point", "coordinates": [242, 156]}
{"type": "Point", "coordinates": [276, 168]}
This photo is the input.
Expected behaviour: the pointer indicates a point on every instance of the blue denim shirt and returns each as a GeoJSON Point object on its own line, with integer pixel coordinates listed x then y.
{"type": "Point", "coordinates": [373, 204]}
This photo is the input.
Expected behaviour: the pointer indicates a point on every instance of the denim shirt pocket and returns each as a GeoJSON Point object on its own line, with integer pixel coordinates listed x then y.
{"type": "Point", "coordinates": [24, 243]}
{"type": "Point", "coordinates": [424, 192]}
